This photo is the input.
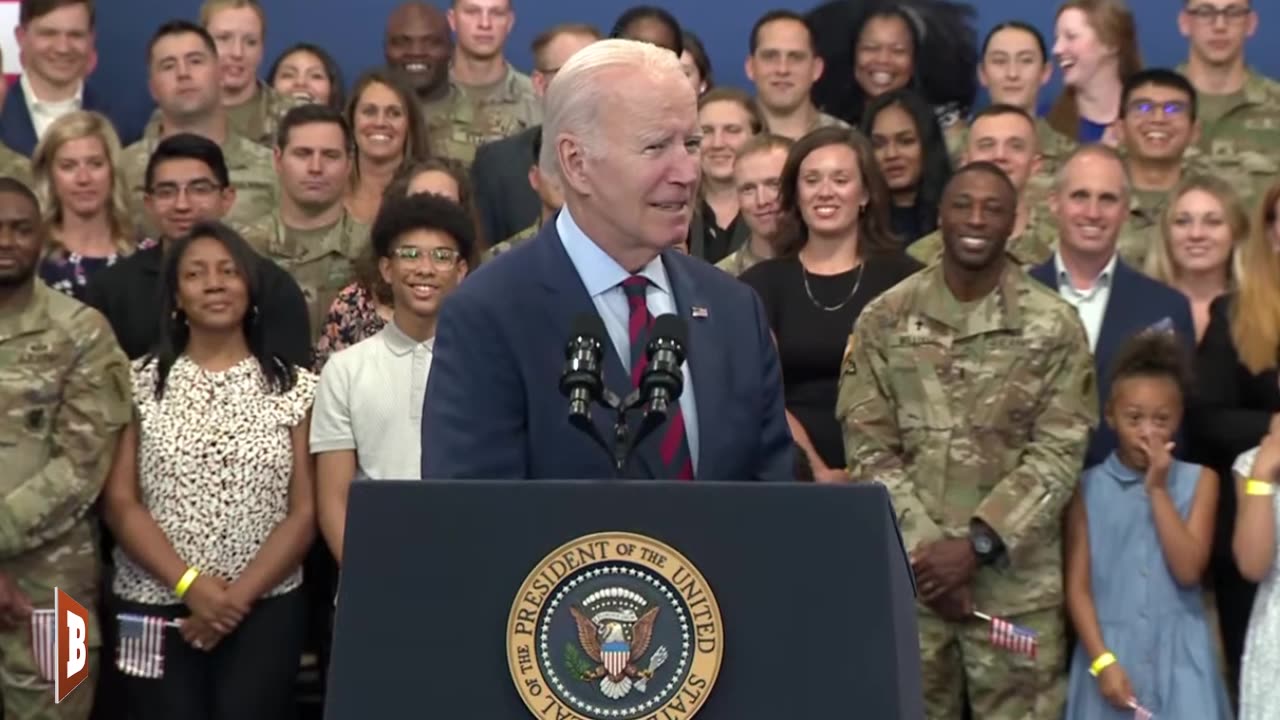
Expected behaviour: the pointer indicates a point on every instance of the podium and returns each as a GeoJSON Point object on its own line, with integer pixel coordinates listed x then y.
{"type": "Point", "coordinates": [814, 607]}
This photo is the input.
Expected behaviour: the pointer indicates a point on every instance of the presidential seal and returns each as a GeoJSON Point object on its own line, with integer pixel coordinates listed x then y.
{"type": "Point", "coordinates": [615, 626]}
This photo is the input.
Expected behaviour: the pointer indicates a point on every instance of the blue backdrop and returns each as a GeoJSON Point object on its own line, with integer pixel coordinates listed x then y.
{"type": "Point", "coordinates": [353, 29]}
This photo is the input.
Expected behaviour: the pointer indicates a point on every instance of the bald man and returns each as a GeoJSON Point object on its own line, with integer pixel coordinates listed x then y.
{"type": "Point", "coordinates": [1090, 201]}
{"type": "Point", "coordinates": [418, 47]}
{"type": "Point", "coordinates": [621, 135]}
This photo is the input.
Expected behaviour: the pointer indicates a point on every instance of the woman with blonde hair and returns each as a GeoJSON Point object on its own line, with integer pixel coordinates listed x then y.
{"type": "Point", "coordinates": [1238, 398]}
{"type": "Point", "coordinates": [84, 198]}
{"type": "Point", "coordinates": [1096, 47]}
{"type": "Point", "coordinates": [390, 136]}
{"type": "Point", "coordinates": [1201, 229]}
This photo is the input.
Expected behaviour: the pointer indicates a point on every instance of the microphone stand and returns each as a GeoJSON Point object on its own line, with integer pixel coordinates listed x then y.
{"type": "Point", "coordinates": [624, 442]}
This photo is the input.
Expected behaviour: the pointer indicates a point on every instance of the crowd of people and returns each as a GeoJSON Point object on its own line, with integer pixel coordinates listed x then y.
{"type": "Point", "coordinates": [1054, 339]}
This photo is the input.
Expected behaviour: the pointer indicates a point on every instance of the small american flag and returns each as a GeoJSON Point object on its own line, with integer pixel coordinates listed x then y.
{"type": "Point", "coordinates": [1139, 712]}
{"type": "Point", "coordinates": [1008, 636]}
{"type": "Point", "coordinates": [140, 651]}
{"type": "Point", "coordinates": [44, 642]}
{"type": "Point", "coordinates": [699, 312]}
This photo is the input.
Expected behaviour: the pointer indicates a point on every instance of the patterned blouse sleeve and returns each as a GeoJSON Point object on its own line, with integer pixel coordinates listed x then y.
{"type": "Point", "coordinates": [1243, 466]}
{"type": "Point", "coordinates": [296, 403]}
{"type": "Point", "coordinates": [142, 373]}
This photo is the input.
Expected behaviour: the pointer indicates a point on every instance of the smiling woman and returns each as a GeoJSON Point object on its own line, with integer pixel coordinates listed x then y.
{"type": "Point", "coordinates": [390, 135]}
{"type": "Point", "coordinates": [1096, 47]}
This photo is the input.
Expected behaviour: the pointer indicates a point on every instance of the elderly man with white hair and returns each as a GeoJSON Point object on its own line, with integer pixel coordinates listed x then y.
{"type": "Point", "coordinates": [621, 134]}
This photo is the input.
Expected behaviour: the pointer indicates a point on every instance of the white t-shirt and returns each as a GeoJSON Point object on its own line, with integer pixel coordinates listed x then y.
{"type": "Point", "coordinates": [369, 399]}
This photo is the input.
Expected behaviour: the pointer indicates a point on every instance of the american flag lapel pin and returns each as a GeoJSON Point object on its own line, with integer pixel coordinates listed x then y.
{"type": "Point", "coordinates": [699, 313]}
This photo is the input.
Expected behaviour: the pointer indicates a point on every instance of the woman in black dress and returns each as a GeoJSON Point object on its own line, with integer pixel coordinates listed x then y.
{"type": "Point", "coordinates": [837, 254]}
{"type": "Point", "coordinates": [1238, 397]}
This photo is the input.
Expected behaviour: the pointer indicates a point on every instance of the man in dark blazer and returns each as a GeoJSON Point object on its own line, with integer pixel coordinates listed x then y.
{"type": "Point", "coordinates": [1115, 302]}
{"type": "Point", "coordinates": [500, 171]}
{"type": "Point", "coordinates": [620, 128]}
{"type": "Point", "coordinates": [58, 54]}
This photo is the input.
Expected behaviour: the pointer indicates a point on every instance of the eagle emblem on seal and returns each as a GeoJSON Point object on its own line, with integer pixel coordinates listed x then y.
{"type": "Point", "coordinates": [615, 629]}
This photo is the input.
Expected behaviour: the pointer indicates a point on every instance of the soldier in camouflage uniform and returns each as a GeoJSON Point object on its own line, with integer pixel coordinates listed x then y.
{"type": "Point", "coordinates": [250, 165]}
{"type": "Point", "coordinates": [466, 118]}
{"type": "Point", "coordinates": [1015, 65]}
{"type": "Point", "coordinates": [968, 391]}
{"type": "Point", "coordinates": [1158, 124]}
{"type": "Point", "coordinates": [1006, 136]}
{"type": "Point", "coordinates": [257, 120]}
{"type": "Point", "coordinates": [486, 98]}
{"type": "Point", "coordinates": [64, 396]}
{"type": "Point", "coordinates": [757, 178]}
{"type": "Point", "coordinates": [1239, 107]}
{"type": "Point", "coordinates": [312, 235]}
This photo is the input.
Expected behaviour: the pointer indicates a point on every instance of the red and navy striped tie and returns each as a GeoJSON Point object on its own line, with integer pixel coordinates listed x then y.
{"type": "Point", "coordinates": [677, 461]}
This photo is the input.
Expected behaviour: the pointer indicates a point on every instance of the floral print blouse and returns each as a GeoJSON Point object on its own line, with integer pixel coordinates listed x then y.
{"type": "Point", "coordinates": [353, 316]}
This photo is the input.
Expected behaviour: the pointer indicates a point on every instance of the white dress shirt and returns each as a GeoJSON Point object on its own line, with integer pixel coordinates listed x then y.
{"type": "Point", "coordinates": [603, 276]}
{"type": "Point", "coordinates": [354, 409]}
{"type": "Point", "coordinates": [1090, 302]}
{"type": "Point", "coordinates": [44, 113]}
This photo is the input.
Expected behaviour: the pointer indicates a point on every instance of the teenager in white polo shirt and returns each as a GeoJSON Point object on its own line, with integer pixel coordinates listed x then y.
{"type": "Point", "coordinates": [368, 410]}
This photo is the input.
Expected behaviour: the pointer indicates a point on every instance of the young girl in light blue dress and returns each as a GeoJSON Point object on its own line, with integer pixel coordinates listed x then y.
{"type": "Point", "coordinates": [1137, 544]}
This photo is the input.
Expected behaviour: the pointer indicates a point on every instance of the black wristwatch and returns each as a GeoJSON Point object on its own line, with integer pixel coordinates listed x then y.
{"type": "Point", "coordinates": [985, 545]}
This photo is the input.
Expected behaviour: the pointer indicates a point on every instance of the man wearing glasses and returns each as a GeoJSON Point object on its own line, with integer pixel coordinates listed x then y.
{"type": "Point", "coordinates": [358, 428]}
{"type": "Point", "coordinates": [1239, 107]}
{"type": "Point", "coordinates": [186, 82]}
{"type": "Point", "coordinates": [187, 182]}
{"type": "Point", "coordinates": [1158, 123]}
{"type": "Point", "coordinates": [311, 234]}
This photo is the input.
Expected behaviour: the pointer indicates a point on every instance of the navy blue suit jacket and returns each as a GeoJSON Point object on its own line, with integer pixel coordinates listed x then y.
{"type": "Point", "coordinates": [19, 133]}
{"type": "Point", "coordinates": [493, 408]}
{"type": "Point", "coordinates": [1136, 303]}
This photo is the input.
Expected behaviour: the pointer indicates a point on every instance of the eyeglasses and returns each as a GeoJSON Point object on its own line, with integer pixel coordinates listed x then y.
{"type": "Point", "coordinates": [1209, 14]}
{"type": "Point", "coordinates": [442, 258]}
{"type": "Point", "coordinates": [195, 190]}
{"type": "Point", "coordinates": [1147, 108]}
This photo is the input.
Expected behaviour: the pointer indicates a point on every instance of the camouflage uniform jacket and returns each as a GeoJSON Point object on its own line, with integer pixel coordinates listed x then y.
{"type": "Point", "coordinates": [249, 164]}
{"type": "Point", "coordinates": [64, 394]}
{"type": "Point", "coordinates": [16, 166]}
{"type": "Point", "coordinates": [511, 242]}
{"type": "Point", "coordinates": [321, 270]}
{"type": "Point", "coordinates": [258, 119]}
{"type": "Point", "coordinates": [1246, 140]}
{"type": "Point", "coordinates": [463, 120]}
{"type": "Point", "coordinates": [740, 260]}
{"type": "Point", "coordinates": [1144, 228]}
{"type": "Point", "coordinates": [820, 121]}
{"type": "Point", "coordinates": [1033, 247]}
{"type": "Point", "coordinates": [978, 412]}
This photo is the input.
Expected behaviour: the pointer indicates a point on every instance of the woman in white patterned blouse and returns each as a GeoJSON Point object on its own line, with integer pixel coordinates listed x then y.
{"type": "Point", "coordinates": [211, 494]}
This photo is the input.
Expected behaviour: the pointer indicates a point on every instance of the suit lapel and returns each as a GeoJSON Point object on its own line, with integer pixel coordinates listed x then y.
{"type": "Point", "coordinates": [19, 132]}
{"type": "Point", "coordinates": [701, 354]}
{"type": "Point", "coordinates": [565, 298]}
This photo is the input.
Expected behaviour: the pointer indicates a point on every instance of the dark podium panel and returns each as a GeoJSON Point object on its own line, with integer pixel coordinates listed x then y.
{"type": "Point", "coordinates": [812, 583]}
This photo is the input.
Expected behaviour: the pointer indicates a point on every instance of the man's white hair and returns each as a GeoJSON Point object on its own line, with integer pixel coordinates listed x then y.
{"type": "Point", "coordinates": [593, 77]}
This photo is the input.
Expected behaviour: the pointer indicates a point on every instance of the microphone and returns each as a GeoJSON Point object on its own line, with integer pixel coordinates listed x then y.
{"type": "Point", "coordinates": [663, 381]}
{"type": "Point", "coordinates": [581, 381]}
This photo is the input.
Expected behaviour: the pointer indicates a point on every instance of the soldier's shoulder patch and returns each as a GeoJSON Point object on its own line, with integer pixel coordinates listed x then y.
{"type": "Point", "coordinates": [846, 361]}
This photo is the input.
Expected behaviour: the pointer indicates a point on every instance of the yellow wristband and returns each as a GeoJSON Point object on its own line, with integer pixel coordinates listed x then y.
{"type": "Point", "coordinates": [1104, 661]}
{"type": "Point", "coordinates": [185, 583]}
{"type": "Point", "coordinates": [1259, 487]}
